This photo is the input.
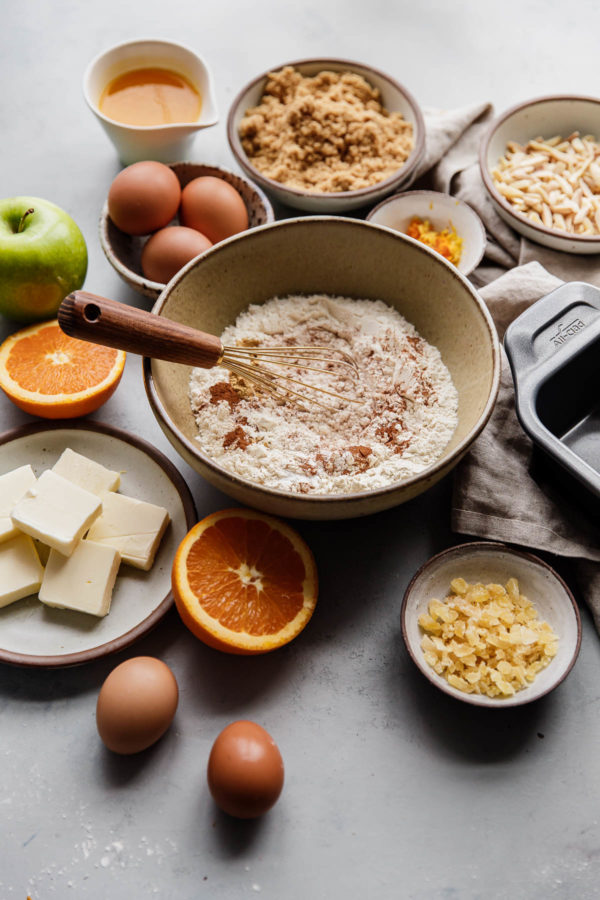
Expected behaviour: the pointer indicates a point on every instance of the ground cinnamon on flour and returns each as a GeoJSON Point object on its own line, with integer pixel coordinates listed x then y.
{"type": "Point", "coordinates": [407, 415]}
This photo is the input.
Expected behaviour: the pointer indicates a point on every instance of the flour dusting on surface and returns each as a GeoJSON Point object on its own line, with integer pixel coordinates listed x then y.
{"type": "Point", "coordinates": [405, 419]}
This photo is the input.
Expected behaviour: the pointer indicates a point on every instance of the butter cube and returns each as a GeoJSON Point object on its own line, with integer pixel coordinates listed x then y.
{"type": "Point", "coordinates": [13, 486]}
{"type": "Point", "coordinates": [20, 569]}
{"type": "Point", "coordinates": [56, 512]}
{"type": "Point", "coordinates": [83, 581]}
{"type": "Point", "coordinates": [133, 527]}
{"type": "Point", "coordinates": [86, 473]}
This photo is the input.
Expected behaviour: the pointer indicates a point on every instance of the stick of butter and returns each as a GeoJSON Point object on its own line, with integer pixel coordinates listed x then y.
{"type": "Point", "coordinates": [20, 569]}
{"type": "Point", "coordinates": [83, 581]}
{"type": "Point", "coordinates": [13, 486]}
{"type": "Point", "coordinates": [56, 512]}
{"type": "Point", "coordinates": [133, 527]}
{"type": "Point", "coordinates": [88, 474]}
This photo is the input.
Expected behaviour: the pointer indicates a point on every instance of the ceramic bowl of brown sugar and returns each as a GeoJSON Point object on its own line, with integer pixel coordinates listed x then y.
{"type": "Point", "coordinates": [326, 135]}
{"type": "Point", "coordinates": [352, 264]}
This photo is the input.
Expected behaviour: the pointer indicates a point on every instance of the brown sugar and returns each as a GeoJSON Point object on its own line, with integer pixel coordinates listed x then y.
{"type": "Point", "coordinates": [325, 133]}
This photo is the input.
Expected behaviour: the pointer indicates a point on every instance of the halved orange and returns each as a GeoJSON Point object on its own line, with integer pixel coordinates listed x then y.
{"type": "Point", "coordinates": [48, 374]}
{"type": "Point", "coordinates": [244, 582]}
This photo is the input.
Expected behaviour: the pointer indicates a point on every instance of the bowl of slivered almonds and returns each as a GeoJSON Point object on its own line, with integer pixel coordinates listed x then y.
{"type": "Point", "coordinates": [326, 135]}
{"type": "Point", "coordinates": [540, 163]}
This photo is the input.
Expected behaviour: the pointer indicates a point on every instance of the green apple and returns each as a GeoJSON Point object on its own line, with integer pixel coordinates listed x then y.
{"type": "Point", "coordinates": [43, 257]}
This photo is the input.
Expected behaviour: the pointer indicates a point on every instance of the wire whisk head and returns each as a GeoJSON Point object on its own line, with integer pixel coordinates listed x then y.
{"type": "Point", "coordinates": [265, 367]}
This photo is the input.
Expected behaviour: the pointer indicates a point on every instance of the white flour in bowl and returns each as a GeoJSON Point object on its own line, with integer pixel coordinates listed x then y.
{"type": "Point", "coordinates": [406, 417]}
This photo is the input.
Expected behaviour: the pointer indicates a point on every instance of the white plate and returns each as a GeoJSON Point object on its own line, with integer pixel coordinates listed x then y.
{"type": "Point", "coordinates": [32, 634]}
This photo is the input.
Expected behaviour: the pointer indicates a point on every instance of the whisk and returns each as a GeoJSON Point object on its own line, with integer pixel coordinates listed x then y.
{"type": "Point", "coordinates": [101, 321]}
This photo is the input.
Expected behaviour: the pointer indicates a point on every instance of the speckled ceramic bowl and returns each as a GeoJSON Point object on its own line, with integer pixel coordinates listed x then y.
{"type": "Point", "coordinates": [340, 257]}
{"type": "Point", "coordinates": [488, 562]}
{"type": "Point", "coordinates": [124, 251]}
{"type": "Point", "coordinates": [394, 97]}
{"type": "Point", "coordinates": [542, 117]}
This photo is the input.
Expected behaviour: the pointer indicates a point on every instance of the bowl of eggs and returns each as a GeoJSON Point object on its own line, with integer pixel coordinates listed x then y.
{"type": "Point", "coordinates": [158, 217]}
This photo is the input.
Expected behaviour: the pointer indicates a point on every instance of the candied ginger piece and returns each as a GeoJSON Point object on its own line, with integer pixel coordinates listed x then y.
{"type": "Point", "coordinates": [512, 589]}
{"type": "Point", "coordinates": [428, 623]}
{"type": "Point", "coordinates": [461, 650]}
{"type": "Point", "coordinates": [442, 611]}
{"type": "Point", "coordinates": [458, 682]}
{"type": "Point", "coordinates": [488, 620]}
{"type": "Point", "coordinates": [506, 617]}
{"type": "Point", "coordinates": [459, 586]}
{"type": "Point", "coordinates": [505, 688]}
{"type": "Point", "coordinates": [478, 593]}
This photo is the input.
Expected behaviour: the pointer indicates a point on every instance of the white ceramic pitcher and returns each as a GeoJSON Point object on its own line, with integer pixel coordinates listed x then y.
{"type": "Point", "coordinates": [165, 143]}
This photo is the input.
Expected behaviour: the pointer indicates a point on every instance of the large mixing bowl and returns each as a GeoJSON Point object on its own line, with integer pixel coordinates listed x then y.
{"type": "Point", "coordinates": [339, 257]}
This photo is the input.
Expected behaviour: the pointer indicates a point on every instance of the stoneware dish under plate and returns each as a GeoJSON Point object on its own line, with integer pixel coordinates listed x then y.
{"type": "Point", "coordinates": [442, 211]}
{"type": "Point", "coordinates": [394, 98]}
{"type": "Point", "coordinates": [32, 634]}
{"type": "Point", "coordinates": [488, 562]}
{"type": "Point", "coordinates": [124, 251]}
{"type": "Point", "coordinates": [339, 257]}
{"type": "Point", "coordinates": [543, 117]}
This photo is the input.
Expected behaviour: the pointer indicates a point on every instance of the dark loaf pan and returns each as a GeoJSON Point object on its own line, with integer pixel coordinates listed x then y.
{"type": "Point", "coordinates": [554, 353]}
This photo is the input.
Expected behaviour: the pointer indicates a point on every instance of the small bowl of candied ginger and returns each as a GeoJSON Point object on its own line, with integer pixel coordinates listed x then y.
{"type": "Point", "coordinates": [491, 625]}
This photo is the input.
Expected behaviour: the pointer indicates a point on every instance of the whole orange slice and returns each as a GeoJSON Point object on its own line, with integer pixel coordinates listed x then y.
{"type": "Point", "coordinates": [48, 374]}
{"type": "Point", "coordinates": [244, 582]}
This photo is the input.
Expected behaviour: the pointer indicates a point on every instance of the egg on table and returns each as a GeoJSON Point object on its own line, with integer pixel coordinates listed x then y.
{"type": "Point", "coordinates": [245, 770]}
{"type": "Point", "coordinates": [136, 704]}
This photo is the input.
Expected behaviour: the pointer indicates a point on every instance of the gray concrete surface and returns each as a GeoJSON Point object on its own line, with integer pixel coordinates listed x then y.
{"type": "Point", "coordinates": [392, 789]}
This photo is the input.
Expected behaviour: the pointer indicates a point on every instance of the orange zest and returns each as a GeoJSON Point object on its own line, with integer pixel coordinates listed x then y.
{"type": "Point", "coordinates": [48, 374]}
{"type": "Point", "coordinates": [244, 582]}
{"type": "Point", "coordinates": [446, 242]}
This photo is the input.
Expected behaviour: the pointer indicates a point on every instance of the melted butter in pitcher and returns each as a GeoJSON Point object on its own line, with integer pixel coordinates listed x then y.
{"type": "Point", "coordinates": [151, 96]}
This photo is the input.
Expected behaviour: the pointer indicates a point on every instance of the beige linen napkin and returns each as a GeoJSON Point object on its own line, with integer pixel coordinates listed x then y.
{"type": "Point", "coordinates": [501, 491]}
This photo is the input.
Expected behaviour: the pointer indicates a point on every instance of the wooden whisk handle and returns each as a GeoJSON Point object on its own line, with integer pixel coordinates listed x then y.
{"type": "Point", "coordinates": [101, 321]}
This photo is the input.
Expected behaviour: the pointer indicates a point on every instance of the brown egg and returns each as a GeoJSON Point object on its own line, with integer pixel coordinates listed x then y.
{"type": "Point", "coordinates": [136, 704]}
{"type": "Point", "coordinates": [144, 197]}
{"type": "Point", "coordinates": [214, 207]}
{"type": "Point", "coordinates": [245, 770]}
{"type": "Point", "coordinates": [167, 251]}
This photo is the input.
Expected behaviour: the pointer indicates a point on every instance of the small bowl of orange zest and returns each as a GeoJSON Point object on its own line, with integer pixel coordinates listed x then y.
{"type": "Point", "coordinates": [442, 222]}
